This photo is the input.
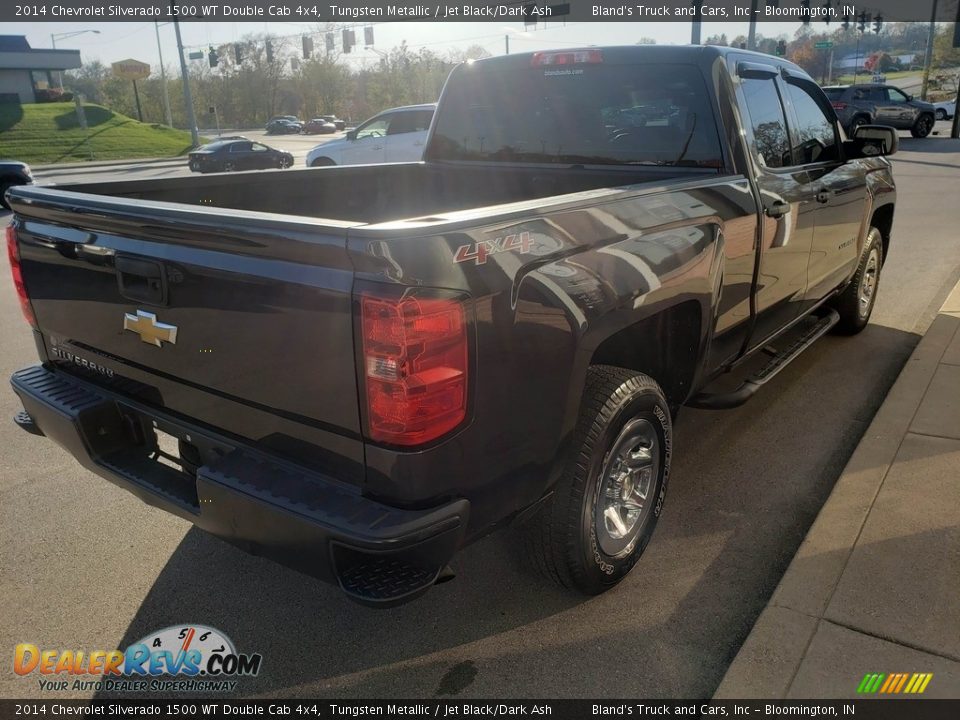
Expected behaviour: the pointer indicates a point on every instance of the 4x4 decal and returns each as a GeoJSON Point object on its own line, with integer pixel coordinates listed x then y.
{"type": "Point", "coordinates": [480, 251]}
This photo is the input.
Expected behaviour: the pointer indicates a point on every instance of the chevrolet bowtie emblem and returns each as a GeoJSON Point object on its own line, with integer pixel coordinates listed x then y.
{"type": "Point", "coordinates": [150, 331]}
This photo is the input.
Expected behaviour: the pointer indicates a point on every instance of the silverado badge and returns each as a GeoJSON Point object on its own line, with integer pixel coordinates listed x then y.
{"type": "Point", "coordinates": [150, 331]}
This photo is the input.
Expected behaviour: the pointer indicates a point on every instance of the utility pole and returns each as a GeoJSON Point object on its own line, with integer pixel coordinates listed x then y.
{"type": "Point", "coordinates": [752, 32]}
{"type": "Point", "coordinates": [163, 79]}
{"type": "Point", "coordinates": [695, 25]}
{"type": "Point", "coordinates": [928, 57]}
{"type": "Point", "coordinates": [187, 97]}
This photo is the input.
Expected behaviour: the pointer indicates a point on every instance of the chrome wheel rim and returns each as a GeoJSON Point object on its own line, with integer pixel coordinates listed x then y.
{"type": "Point", "coordinates": [625, 493]}
{"type": "Point", "coordinates": [868, 283]}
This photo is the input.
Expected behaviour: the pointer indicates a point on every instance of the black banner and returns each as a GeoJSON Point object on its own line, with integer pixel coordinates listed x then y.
{"type": "Point", "coordinates": [886, 709]}
{"type": "Point", "coordinates": [351, 11]}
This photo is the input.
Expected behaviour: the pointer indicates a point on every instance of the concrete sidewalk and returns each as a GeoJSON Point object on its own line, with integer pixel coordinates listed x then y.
{"type": "Point", "coordinates": [875, 586]}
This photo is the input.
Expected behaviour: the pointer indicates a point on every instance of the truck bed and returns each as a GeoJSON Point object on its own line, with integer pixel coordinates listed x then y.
{"type": "Point", "coordinates": [373, 194]}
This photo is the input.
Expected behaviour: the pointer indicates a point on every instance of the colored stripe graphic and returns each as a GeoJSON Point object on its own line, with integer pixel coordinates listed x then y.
{"type": "Point", "coordinates": [894, 683]}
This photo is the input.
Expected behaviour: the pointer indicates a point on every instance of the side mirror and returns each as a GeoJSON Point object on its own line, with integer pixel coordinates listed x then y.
{"type": "Point", "coordinates": [873, 141]}
{"type": "Point", "coordinates": [351, 134]}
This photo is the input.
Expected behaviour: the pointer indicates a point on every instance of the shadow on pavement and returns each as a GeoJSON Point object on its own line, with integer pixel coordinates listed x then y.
{"type": "Point", "coordinates": [745, 488]}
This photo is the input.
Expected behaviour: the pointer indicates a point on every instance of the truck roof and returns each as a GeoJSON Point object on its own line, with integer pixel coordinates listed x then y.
{"type": "Point", "coordinates": [645, 53]}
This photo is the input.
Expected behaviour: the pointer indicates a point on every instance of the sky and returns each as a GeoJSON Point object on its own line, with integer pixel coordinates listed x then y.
{"type": "Point", "coordinates": [138, 40]}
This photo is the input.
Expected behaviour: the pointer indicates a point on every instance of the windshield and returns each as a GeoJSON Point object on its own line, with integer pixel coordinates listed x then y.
{"type": "Point", "coordinates": [833, 93]}
{"type": "Point", "coordinates": [654, 114]}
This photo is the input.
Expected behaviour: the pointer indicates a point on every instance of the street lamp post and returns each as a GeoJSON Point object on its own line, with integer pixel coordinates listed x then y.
{"type": "Point", "coordinates": [187, 97]}
{"type": "Point", "coordinates": [53, 41]}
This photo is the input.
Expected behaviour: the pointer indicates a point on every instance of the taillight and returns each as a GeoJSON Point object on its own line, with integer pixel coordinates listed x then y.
{"type": "Point", "coordinates": [13, 253]}
{"type": "Point", "coordinates": [566, 57]}
{"type": "Point", "coordinates": [837, 105]}
{"type": "Point", "coordinates": [415, 367]}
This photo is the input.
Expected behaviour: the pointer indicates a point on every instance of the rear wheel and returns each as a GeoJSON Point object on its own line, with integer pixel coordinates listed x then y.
{"type": "Point", "coordinates": [603, 511]}
{"type": "Point", "coordinates": [855, 303]}
{"type": "Point", "coordinates": [286, 162]}
{"type": "Point", "coordinates": [228, 166]}
{"type": "Point", "coordinates": [941, 114]}
{"type": "Point", "coordinates": [922, 127]}
{"type": "Point", "coordinates": [322, 162]}
{"type": "Point", "coordinates": [857, 122]}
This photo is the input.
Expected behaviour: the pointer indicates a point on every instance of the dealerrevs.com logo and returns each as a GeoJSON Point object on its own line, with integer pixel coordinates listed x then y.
{"type": "Point", "coordinates": [185, 658]}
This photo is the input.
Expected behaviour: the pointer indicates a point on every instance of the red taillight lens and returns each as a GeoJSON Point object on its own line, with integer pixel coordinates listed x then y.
{"type": "Point", "coordinates": [567, 57]}
{"type": "Point", "coordinates": [415, 367]}
{"type": "Point", "coordinates": [13, 253]}
{"type": "Point", "coordinates": [837, 105]}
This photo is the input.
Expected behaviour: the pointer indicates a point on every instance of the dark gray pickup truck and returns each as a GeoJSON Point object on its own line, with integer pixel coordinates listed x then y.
{"type": "Point", "coordinates": [358, 370]}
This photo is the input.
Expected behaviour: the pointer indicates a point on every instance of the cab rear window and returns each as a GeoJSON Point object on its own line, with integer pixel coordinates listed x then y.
{"type": "Point", "coordinates": [592, 113]}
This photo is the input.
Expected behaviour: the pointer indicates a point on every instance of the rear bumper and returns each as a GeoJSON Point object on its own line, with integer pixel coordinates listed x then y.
{"type": "Point", "coordinates": [379, 555]}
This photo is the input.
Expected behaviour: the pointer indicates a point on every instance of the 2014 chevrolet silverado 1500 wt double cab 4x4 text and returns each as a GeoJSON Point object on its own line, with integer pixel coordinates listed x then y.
{"type": "Point", "coordinates": [366, 368]}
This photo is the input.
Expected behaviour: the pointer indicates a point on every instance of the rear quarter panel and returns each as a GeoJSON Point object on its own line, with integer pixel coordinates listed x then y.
{"type": "Point", "coordinates": [548, 285]}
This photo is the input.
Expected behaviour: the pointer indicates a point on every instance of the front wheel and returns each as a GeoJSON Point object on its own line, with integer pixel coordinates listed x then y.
{"type": "Point", "coordinates": [855, 303]}
{"type": "Point", "coordinates": [603, 511]}
{"type": "Point", "coordinates": [922, 127]}
{"type": "Point", "coordinates": [322, 162]}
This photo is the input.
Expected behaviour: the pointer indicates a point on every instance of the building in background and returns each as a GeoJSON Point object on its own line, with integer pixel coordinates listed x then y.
{"type": "Point", "coordinates": [24, 71]}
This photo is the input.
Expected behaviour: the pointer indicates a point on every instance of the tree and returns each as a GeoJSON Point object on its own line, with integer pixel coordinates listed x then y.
{"type": "Point", "coordinates": [944, 54]}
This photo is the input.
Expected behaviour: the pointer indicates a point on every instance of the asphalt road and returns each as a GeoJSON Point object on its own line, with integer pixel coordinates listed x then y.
{"type": "Point", "coordinates": [87, 566]}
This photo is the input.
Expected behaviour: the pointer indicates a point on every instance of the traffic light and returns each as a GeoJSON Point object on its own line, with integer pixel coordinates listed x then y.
{"type": "Point", "coordinates": [307, 46]}
{"type": "Point", "coordinates": [878, 24]}
{"type": "Point", "coordinates": [827, 11]}
{"type": "Point", "coordinates": [846, 22]}
{"type": "Point", "coordinates": [269, 51]}
{"type": "Point", "coordinates": [782, 48]}
{"type": "Point", "coordinates": [238, 53]}
{"type": "Point", "coordinates": [213, 57]}
{"type": "Point", "coordinates": [368, 36]}
{"type": "Point", "coordinates": [330, 41]}
{"type": "Point", "coordinates": [862, 21]}
{"type": "Point", "coordinates": [805, 4]}
{"type": "Point", "coordinates": [347, 40]}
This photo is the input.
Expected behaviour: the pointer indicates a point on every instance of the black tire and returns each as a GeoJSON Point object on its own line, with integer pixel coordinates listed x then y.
{"type": "Point", "coordinates": [941, 114]}
{"type": "Point", "coordinates": [228, 166]}
{"type": "Point", "coordinates": [322, 162]}
{"type": "Point", "coordinates": [4, 186]}
{"type": "Point", "coordinates": [854, 311]}
{"type": "Point", "coordinates": [922, 127]}
{"type": "Point", "coordinates": [285, 163]}
{"type": "Point", "coordinates": [857, 122]}
{"type": "Point", "coordinates": [564, 538]}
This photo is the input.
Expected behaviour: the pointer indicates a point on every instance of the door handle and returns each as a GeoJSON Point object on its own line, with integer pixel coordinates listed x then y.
{"type": "Point", "coordinates": [823, 196]}
{"type": "Point", "coordinates": [777, 209]}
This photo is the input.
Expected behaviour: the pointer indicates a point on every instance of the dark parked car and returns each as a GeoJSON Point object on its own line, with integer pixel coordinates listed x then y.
{"type": "Point", "coordinates": [319, 126]}
{"type": "Point", "coordinates": [340, 124]}
{"type": "Point", "coordinates": [13, 173]}
{"type": "Point", "coordinates": [858, 105]}
{"type": "Point", "coordinates": [284, 127]}
{"type": "Point", "coordinates": [229, 155]}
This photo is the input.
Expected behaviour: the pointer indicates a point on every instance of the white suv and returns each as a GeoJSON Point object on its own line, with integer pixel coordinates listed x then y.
{"type": "Point", "coordinates": [395, 135]}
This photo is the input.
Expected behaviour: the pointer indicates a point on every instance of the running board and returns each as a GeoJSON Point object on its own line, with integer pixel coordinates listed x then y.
{"type": "Point", "coordinates": [778, 361]}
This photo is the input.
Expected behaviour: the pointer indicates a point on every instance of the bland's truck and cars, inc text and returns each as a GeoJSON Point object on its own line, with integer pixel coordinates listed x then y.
{"type": "Point", "coordinates": [362, 369]}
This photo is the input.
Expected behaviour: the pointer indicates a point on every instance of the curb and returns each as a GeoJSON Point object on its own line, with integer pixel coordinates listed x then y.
{"type": "Point", "coordinates": [81, 166]}
{"type": "Point", "coordinates": [767, 664]}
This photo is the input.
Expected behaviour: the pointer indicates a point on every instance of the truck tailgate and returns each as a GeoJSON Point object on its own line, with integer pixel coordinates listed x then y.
{"type": "Point", "coordinates": [239, 320]}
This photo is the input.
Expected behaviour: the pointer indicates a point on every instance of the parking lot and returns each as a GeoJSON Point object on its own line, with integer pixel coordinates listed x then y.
{"type": "Point", "coordinates": [88, 566]}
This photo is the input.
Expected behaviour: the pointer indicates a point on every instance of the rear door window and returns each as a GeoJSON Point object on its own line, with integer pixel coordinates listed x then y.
{"type": "Point", "coordinates": [591, 113]}
{"type": "Point", "coordinates": [410, 121]}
